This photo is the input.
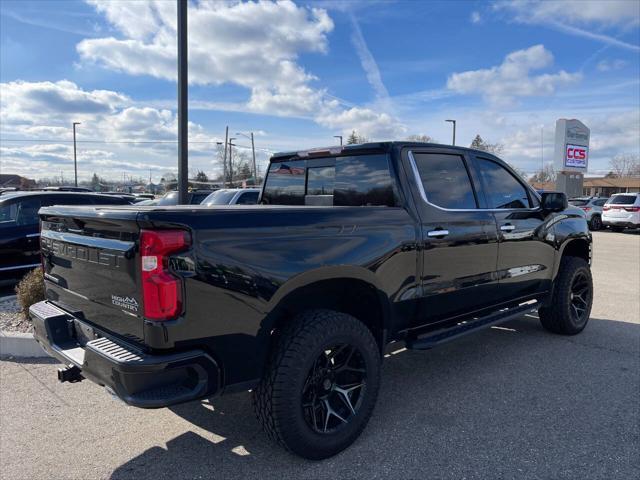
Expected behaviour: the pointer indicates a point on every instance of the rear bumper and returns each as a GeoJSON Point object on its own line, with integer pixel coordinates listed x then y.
{"type": "Point", "coordinates": [139, 379]}
{"type": "Point", "coordinates": [619, 223]}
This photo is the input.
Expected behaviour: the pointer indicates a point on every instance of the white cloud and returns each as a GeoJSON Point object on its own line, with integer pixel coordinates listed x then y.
{"type": "Point", "coordinates": [608, 65]}
{"type": "Point", "coordinates": [43, 112]}
{"type": "Point", "coordinates": [372, 125]}
{"type": "Point", "coordinates": [503, 83]}
{"type": "Point", "coordinates": [255, 45]}
{"type": "Point", "coordinates": [475, 17]}
{"type": "Point", "coordinates": [625, 13]}
{"type": "Point", "coordinates": [578, 17]}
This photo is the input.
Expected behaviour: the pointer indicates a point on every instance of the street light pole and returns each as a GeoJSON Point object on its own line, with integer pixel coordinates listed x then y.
{"type": "Point", "coordinates": [340, 137]}
{"type": "Point", "coordinates": [75, 159]}
{"type": "Point", "coordinates": [183, 132]}
{"type": "Point", "coordinates": [224, 157]}
{"type": "Point", "coordinates": [454, 130]}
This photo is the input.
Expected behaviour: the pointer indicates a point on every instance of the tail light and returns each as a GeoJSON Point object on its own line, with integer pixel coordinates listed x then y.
{"type": "Point", "coordinates": [586, 209]}
{"type": "Point", "coordinates": [632, 209]}
{"type": "Point", "coordinates": [606, 207]}
{"type": "Point", "coordinates": [161, 290]}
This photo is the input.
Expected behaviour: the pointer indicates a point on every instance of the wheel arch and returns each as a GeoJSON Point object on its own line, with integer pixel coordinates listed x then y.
{"type": "Point", "coordinates": [577, 247]}
{"type": "Point", "coordinates": [349, 290]}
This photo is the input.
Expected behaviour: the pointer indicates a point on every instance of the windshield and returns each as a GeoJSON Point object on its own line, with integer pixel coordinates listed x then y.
{"type": "Point", "coordinates": [219, 197]}
{"type": "Point", "coordinates": [578, 203]}
{"type": "Point", "coordinates": [622, 200]}
{"type": "Point", "coordinates": [170, 198]}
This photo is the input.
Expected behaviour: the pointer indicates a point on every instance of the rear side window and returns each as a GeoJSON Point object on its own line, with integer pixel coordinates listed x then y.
{"type": "Point", "coordinates": [285, 183]}
{"type": "Point", "coordinates": [364, 180]}
{"type": "Point", "coordinates": [600, 203]}
{"type": "Point", "coordinates": [361, 180]}
{"type": "Point", "coordinates": [27, 213]}
{"type": "Point", "coordinates": [445, 180]}
{"type": "Point", "coordinates": [248, 198]}
{"type": "Point", "coordinates": [622, 200]}
{"type": "Point", "coordinates": [8, 214]}
{"type": "Point", "coordinates": [501, 187]}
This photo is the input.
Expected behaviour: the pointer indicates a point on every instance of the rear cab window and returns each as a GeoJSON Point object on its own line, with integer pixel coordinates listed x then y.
{"type": "Point", "coordinates": [356, 180]}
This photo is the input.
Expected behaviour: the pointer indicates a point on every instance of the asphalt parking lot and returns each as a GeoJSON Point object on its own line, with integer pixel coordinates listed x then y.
{"type": "Point", "coordinates": [509, 402]}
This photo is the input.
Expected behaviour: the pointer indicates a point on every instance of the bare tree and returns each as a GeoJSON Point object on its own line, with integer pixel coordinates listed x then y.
{"type": "Point", "coordinates": [625, 165]}
{"type": "Point", "coordinates": [421, 138]}
{"type": "Point", "coordinates": [355, 138]}
{"type": "Point", "coordinates": [547, 174]}
{"type": "Point", "coordinates": [479, 144]}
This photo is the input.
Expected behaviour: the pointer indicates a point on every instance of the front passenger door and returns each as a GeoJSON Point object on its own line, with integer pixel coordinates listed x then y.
{"type": "Point", "coordinates": [459, 240]}
{"type": "Point", "coordinates": [525, 256]}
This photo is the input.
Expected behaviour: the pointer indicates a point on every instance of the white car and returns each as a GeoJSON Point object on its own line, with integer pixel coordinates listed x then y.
{"type": "Point", "coordinates": [622, 211]}
{"type": "Point", "coordinates": [233, 196]}
{"type": "Point", "coordinates": [592, 208]}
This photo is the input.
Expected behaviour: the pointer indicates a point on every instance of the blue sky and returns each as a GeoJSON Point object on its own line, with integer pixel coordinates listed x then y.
{"type": "Point", "coordinates": [298, 73]}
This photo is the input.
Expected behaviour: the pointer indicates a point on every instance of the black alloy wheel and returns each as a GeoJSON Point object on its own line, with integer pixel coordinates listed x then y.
{"type": "Point", "coordinates": [334, 388]}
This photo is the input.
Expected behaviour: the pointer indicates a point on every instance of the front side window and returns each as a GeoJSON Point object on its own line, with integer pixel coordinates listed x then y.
{"type": "Point", "coordinates": [8, 214]}
{"type": "Point", "coordinates": [285, 183]}
{"type": "Point", "coordinates": [502, 190]}
{"type": "Point", "coordinates": [445, 180]}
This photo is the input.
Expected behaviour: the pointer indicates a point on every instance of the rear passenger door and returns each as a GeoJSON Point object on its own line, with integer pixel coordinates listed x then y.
{"type": "Point", "coordinates": [525, 255]}
{"type": "Point", "coordinates": [459, 240]}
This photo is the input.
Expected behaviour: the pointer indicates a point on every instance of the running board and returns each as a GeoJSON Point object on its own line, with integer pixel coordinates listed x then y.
{"type": "Point", "coordinates": [461, 329]}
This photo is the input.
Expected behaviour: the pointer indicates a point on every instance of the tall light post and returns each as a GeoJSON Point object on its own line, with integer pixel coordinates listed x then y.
{"type": "Point", "coordinates": [454, 130]}
{"type": "Point", "coordinates": [340, 137]}
{"type": "Point", "coordinates": [231, 145]}
{"type": "Point", "coordinates": [75, 158]}
{"type": "Point", "coordinates": [183, 132]}
{"type": "Point", "coordinates": [253, 151]}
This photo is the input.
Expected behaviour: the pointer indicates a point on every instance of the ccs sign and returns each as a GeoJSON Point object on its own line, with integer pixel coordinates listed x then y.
{"type": "Point", "coordinates": [576, 156]}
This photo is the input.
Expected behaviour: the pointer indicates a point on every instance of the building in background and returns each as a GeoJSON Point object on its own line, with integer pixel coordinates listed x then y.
{"type": "Point", "coordinates": [9, 180]}
{"type": "Point", "coordinates": [607, 186]}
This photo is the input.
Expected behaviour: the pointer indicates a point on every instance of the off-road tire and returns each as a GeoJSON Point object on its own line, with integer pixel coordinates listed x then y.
{"type": "Point", "coordinates": [557, 317]}
{"type": "Point", "coordinates": [278, 398]}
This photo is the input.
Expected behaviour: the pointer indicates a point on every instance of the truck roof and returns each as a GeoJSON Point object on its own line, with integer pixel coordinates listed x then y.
{"type": "Point", "coordinates": [360, 148]}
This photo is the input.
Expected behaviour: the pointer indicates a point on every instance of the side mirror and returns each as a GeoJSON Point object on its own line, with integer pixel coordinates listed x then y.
{"type": "Point", "coordinates": [554, 201]}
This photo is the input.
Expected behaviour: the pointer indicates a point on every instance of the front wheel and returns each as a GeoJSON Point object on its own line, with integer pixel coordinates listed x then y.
{"type": "Point", "coordinates": [321, 384]}
{"type": "Point", "coordinates": [595, 223]}
{"type": "Point", "coordinates": [572, 298]}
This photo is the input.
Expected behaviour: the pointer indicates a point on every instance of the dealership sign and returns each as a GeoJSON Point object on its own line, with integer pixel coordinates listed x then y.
{"type": "Point", "coordinates": [571, 153]}
{"type": "Point", "coordinates": [576, 156]}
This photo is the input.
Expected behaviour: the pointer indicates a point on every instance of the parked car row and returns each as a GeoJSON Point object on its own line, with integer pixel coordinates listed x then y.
{"type": "Point", "coordinates": [19, 227]}
{"type": "Point", "coordinates": [620, 211]}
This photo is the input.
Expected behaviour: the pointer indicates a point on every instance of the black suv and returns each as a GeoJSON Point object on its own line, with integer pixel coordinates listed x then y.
{"type": "Point", "coordinates": [19, 225]}
{"type": "Point", "coordinates": [297, 298]}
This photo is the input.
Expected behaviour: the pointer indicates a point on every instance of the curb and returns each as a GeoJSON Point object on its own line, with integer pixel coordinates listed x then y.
{"type": "Point", "coordinates": [20, 345]}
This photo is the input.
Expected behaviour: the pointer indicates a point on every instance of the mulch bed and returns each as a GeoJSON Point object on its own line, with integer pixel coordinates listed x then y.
{"type": "Point", "coordinates": [11, 318]}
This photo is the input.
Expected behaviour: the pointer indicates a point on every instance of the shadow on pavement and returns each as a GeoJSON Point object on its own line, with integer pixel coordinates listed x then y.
{"type": "Point", "coordinates": [513, 401]}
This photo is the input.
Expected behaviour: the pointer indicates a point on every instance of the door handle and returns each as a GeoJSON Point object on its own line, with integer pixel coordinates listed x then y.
{"type": "Point", "coordinates": [438, 233]}
{"type": "Point", "coordinates": [508, 227]}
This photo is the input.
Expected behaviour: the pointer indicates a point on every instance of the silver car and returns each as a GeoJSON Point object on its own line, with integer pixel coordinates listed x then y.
{"type": "Point", "coordinates": [592, 207]}
{"type": "Point", "coordinates": [233, 196]}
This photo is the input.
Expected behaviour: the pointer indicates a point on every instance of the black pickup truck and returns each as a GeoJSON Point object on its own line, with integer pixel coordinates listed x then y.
{"type": "Point", "coordinates": [296, 299]}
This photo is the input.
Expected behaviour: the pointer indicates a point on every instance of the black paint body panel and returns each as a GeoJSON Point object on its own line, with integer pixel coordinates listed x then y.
{"type": "Point", "coordinates": [245, 262]}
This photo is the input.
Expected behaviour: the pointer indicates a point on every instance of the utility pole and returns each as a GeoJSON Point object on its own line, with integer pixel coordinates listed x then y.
{"type": "Point", "coordinates": [253, 151]}
{"type": "Point", "coordinates": [340, 137]}
{"type": "Point", "coordinates": [183, 132]}
{"type": "Point", "coordinates": [231, 145]}
{"type": "Point", "coordinates": [75, 159]}
{"type": "Point", "coordinates": [224, 158]}
{"type": "Point", "coordinates": [454, 131]}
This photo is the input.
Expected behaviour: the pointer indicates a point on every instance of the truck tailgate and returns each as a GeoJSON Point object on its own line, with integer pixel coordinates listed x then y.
{"type": "Point", "coordinates": [91, 268]}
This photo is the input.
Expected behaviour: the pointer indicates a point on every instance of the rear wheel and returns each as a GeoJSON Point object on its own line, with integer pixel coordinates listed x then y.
{"type": "Point", "coordinates": [595, 223]}
{"type": "Point", "coordinates": [572, 298]}
{"type": "Point", "coordinates": [321, 384]}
